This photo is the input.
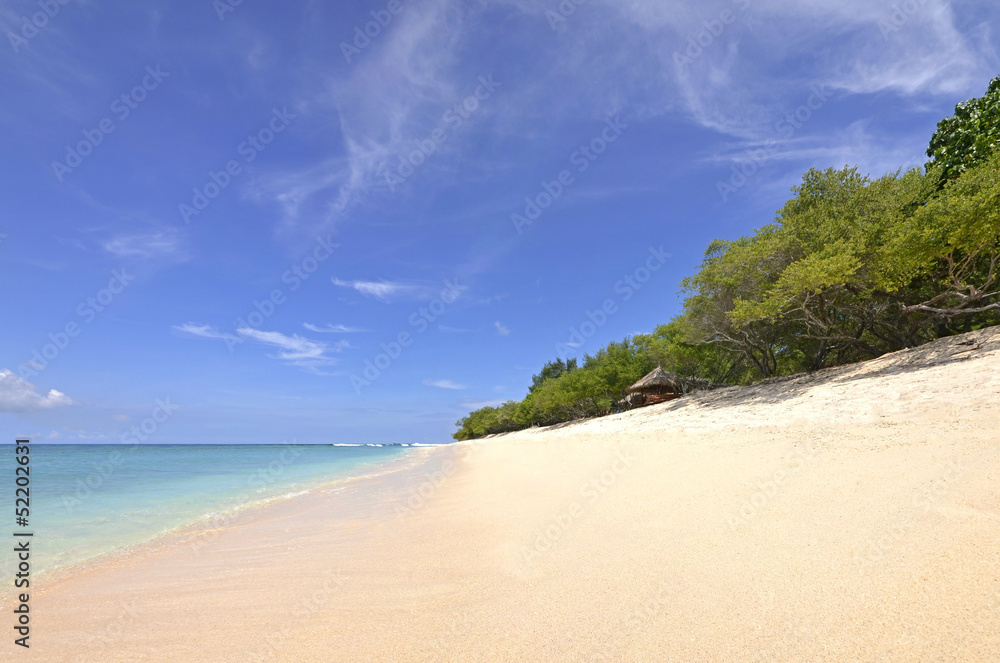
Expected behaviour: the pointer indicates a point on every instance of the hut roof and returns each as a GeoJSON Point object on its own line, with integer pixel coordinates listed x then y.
{"type": "Point", "coordinates": [658, 379]}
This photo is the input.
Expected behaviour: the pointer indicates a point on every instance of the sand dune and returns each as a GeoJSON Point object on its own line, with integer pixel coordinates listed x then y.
{"type": "Point", "coordinates": [848, 515]}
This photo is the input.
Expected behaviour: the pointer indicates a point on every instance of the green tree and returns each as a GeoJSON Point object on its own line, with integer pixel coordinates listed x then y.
{"type": "Point", "coordinates": [675, 347]}
{"type": "Point", "coordinates": [733, 271]}
{"type": "Point", "coordinates": [969, 136]}
{"type": "Point", "coordinates": [850, 268]}
{"type": "Point", "coordinates": [835, 293]}
{"type": "Point", "coordinates": [818, 285]}
{"type": "Point", "coordinates": [552, 370]}
{"type": "Point", "coordinates": [952, 246]}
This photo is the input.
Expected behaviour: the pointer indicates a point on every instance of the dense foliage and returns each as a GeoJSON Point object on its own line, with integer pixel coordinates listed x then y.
{"type": "Point", "coordinates": [970, 136]}
{"type": "Point", "coordinates": [850, 268]}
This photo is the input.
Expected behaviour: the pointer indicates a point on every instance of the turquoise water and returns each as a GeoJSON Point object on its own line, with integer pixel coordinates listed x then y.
{"type": "Point", "coordinates": [87, 500]}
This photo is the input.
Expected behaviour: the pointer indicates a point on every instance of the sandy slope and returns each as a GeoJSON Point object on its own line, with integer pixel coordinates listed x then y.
{"type": "Point", "coordinates": [851, 515]}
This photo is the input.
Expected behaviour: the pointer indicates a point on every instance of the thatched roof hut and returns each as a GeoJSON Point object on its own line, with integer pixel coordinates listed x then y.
{"type": "Point", "coordinates": [658, 381]}
{"type": "Point", "coordinates": [658, 386]}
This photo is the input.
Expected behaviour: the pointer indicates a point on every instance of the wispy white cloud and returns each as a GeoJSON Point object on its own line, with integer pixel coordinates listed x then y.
{"type": "Point", "coordinates": [19, 395]}
{"type": "Point", "coordinates": [445, 384]}
{"type": "Point", "coordinates": [415, 64]}
{"type": "Point", "coordinates": [856, 145]}
{"type": "Point", "coordinates": [475, 405]}
{"type": "Point", "coordinates": [331, 328]}
{"type": "Point", "coordinates": [741, 79]}
{"type": "Point", "coordinates": [385, 291]}
{"type": "Point", "coordinates": [205, 331]}
{"type": "Point", "coordinates": [739, 76]}
{"type": "Point", "coordinates": [845, 146]}
{"type": "Point", "coordinates": [616, 56]}
{"type": "Point", "coordinates": [486, 301]}
{"type": "Point", "coordinates": [503, 331]}
{"type": "Point", "coordinates": [294, 190]}
{"type": "Point", "coordinates": [292, 347]}
{"type": "Point", "coordinates": [295, 350]}
{"type": "Point", "coordinates": [147, 245]}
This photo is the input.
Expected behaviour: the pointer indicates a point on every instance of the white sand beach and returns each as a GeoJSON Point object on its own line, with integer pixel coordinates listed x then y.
{"type": "Point", "coordinates": [847, 515]}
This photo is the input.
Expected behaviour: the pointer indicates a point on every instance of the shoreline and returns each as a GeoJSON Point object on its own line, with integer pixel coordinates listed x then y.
{"type": "Point", "coordinates": [853, 515]}
{"type": "Point", "coordinates": [204, 525]}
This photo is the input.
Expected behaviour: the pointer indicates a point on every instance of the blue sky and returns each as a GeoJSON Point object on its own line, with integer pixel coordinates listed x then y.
{"type": "Point", "coordinates": [216, 218]}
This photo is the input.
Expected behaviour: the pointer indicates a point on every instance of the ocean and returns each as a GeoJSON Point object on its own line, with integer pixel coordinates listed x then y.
{"type": "Point", "coordinates": [88, 500]}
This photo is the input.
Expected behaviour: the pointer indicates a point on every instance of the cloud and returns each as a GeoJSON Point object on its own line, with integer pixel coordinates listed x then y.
{"type": "Point", "coordinates": [331, 329]}
{"type": "Point", "coordinates": [148, 245]}
{"type": "Point", "coordinates": [293, 347]}
{"type": "Point", "coordinates": [295, 350]}
{"type": "Point", "coordinates": [490, 300]}
{"type": "Point", "coordinates": [738, 82]}
{"type": "Point", "coordinates": [503, 331]}
{"type": "Point", "coordinates": [784, 161]}
{"type": "Point", "coordinates": [294, 190]}
{"type": "Point", "coordinates": [384, 291]}
{"type": "Point", "coordinates": [415, 64]}
{"type": "Point", "coordinates": [475, 405]}
{"type": "Point", "coordinates": [205, 331]}
{"type": "Point", "coordinates": [735, 77]}
{"type": "Point", "coordinates": [19, 395]}
{"type": "Point", "coordinates": [444, 384]}
{"type": "Point", "coordinates": [611, 56]}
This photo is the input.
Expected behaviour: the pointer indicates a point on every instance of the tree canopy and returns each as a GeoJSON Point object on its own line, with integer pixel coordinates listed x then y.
{"type": "Point", "coordinates": [969, 136]}
{"type": "Point", "coordinates": [850, 268]}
